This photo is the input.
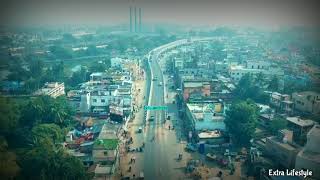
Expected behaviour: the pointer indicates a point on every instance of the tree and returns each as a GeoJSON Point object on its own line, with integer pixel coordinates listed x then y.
{"type": "Point", "coordinates": [260, 79]}
{"type": "Point", "coordinates": [92, 50]}
{"type": "Point", "coordinates": [9, 115]}
{"type": "Point", "coordinates": [51, 164]}
{"type": "Point", "coordinates": [9, 168]}
{"type": "Point", "coordinates": [17, 72]}
{"type": "Point", "coordinates": [36, 68]}
{"type": "Point", "coordinates": [246, 88]}
{"type": "Point", "coordinates": [274, 84]}
{"type": "Point", "coordinates": [45, 109]}
{"type": "Point", "coordinates": [61, 52]}
{"type": "Point", "coordinates": [98, 67]}
{"type": "Point", "coordinates": [68, 37]}
{"type": "Point", "coordinates": [45, 132]}
{"type": "Point", "coordinates": [55, 73]}
{"type": "Point", "coordinates": [277, 124]}
{"type": "Point", "coordinates": [241, 121]}
{"type": "Point", "coordinates": [78, 77]}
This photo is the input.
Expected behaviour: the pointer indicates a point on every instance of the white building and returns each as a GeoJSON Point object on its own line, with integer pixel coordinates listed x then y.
{"type": "Point", "coordinates": [116, 62]}
{"type": "Point", "coordinates": [99, 100]}
{"type": "Point", "coordinates": [253, 68]}
{"type": "Point", "coordinates": [178, 63]}
{"type": "Point", "coordinates": [205, 116]}
{"type": "Point", "coordinates": [53, 89]}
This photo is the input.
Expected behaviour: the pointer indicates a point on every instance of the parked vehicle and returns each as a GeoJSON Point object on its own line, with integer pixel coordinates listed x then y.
{"type": "Point", "coordinates": [151, 118]}
{"type": "Point", "coordinates": [191, 147]}
{"type": "Point", "coordinates": [140, 129]}
{"type": "Point", "coordinates": [141, 175]}
{"type": "Point", "coordinates": [211, 157]}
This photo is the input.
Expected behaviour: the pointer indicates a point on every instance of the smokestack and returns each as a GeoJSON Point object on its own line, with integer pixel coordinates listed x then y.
{"type": "Point", "coordinates": [139, 19]}
{"type": "Point", "coordinates": [130, 19]}
{"type": "Point", "coordinates": [135, 19]}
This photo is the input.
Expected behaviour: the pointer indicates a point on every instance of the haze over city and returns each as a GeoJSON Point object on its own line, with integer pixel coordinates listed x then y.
{"type": "Point", "coordinates": [157, 90]}
{"type": "Point", "coordinates": [194, 13]}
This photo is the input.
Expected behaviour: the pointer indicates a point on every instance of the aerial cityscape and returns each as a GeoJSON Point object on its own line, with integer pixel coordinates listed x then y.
{"type": "Point", "coordinates": [151, 90]}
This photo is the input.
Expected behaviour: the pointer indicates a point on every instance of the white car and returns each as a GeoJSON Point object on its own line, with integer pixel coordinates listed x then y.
{"type": "Point", "coordinates": [160, 83]}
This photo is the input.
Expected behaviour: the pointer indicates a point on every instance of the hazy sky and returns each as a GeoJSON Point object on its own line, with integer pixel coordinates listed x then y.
{"type": "Point", "coordinates": [197, 12]}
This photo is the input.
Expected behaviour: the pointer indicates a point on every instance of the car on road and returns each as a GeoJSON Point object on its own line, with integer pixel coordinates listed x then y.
{"type": "Point", "coordinates": [160, 83]}
{"type": "Point", "coordinates": [151, 118]}
{"type": "Point", "coordinates": [140, 129]}
{"type": "Point", "coordinates": [154, 78]}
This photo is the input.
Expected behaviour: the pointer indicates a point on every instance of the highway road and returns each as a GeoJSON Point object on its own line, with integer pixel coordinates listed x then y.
{"type": "Point", "coordinates": [158, 161]}
{"type": "Point", "coordinates": [160, 155]}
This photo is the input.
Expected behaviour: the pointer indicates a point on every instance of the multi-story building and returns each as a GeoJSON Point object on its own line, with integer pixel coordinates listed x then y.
{"type": "Point", "coordinates": [205, 117]}
{"type": "Point", "coordinates": [282, 102]}
{"type": "Point", "coordinates": [202, 87]}
{"type": "Point", "coordinates": [253, 68]}
{"type": "Point", "coordinates": [53, 89]}
{"type": "Point", "coordinates": [307, 101]}
{"type": "Point", "coordinates": [309, 156]}
{"type": "Point", "coordinates": [105, 153]}
{"type": "Point", "coordinates": [300, 128]}
{"type": "Point", "coordinates": [283, 153]}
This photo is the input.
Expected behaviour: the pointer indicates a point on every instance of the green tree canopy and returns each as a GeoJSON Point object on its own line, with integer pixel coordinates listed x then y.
{"type": "Point", "coordinates": [44, 132]}
{"type": "Point", "coordinates": [61, 52]}
{"type": "Point", "coordinates": [45, 109]}
{"type": "Point", "coordinates": [9, 115]}
{"type": "Point", "coordinates": [9, 168]}
{"type": "Point", "coordinates": [241, 121]}
{"type": "Point", "coordinates": [247, 88]}
{"type": "Point", "coordinates": [274, 84]}
{"type": "Point", "coordinates": [277, 124]}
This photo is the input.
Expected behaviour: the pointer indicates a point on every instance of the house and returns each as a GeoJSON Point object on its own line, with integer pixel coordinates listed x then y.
{"type": "Point", "coordinates": [253, 68]}
{"type": "Point", "coordinates": [105, 152]}
{"type": "Point", "coordinates": [282, 152]}
{"type": "Point", "coordinates": [307, 102]}
{"type": "Point", "coordinates": [103, 171]}
{"type": "Point", "coordinates": [282, 102]}
{"type": "Point", "coordinates": [205, 117]}
{"type": "Point", "coordinates": [189, 87]}
{"type": "Point", "coordinates": [300, 128]}
{"type": "Point", "coordinates": [309, 156]}
{"type": "Point", "coordinates": [99, 100]}
{"type": "Point", "coordinates": [53, 89]}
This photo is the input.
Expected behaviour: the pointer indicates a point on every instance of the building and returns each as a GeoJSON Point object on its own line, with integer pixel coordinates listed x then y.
{"type": "Point", "coordinates": [99, 100]}
{"type": "Point", "coordinates": [202, 87]}
{"type": "Point", "coordinates": [309, 156]}
{"type": "Point", "coordinates": [205, 117]}
{"type": "Point", "coordinates": [178, 63]}
{"type": "Point", "coordinates": [282, 102]}
{"type": "Point", "coordinates": [253, 68]}
{"type": "Point", "coordinates": [105, 152]}
{"type": "Point", "coordinates": [237, 71]}
{"type": "Point", "coordinates": [307, 101]}
{"type": "Point", "coordinates": [53, 89]}
{"type": "Point", "coordinates": [282, 152]}
{"type": "Point", "coordinates": [116, 62]}
{"type": "Point", "coordinates": [300, 128]}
